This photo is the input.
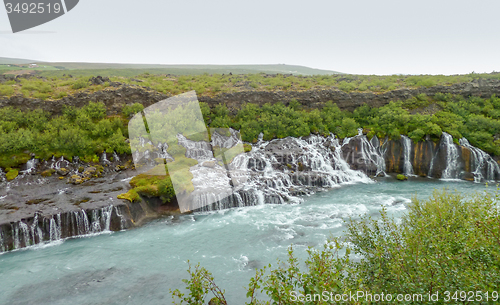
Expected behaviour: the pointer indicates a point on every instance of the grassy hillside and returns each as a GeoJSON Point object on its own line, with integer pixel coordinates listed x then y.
{"type": "Point", "coordinates": [196, 69]}
{"type": "Point", "coordinates": [58, 69]}
{"type": "Point", "coordinates": [15, 61]}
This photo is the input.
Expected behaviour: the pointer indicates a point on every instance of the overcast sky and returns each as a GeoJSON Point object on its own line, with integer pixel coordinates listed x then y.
{"type": "Point", "coordinates": [351, 36]}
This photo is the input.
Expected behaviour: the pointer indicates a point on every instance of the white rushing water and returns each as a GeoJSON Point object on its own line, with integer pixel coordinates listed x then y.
{"type": "Point", "coordinates": [370, 154]}
{"type": "Point", "coordinates": [483, 167]}
{"type": "Point", "coordinates": [274, 172]}
{"type": "Point", "coordinates": [79, 224]}
{"type": "Point", "coordinates": [407, 166]}
{"type": "Point", "coordinates": [451, 170]}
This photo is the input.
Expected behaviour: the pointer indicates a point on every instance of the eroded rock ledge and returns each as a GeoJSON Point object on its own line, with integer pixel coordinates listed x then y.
{"type": "Point", "coordinates": [116, 98]}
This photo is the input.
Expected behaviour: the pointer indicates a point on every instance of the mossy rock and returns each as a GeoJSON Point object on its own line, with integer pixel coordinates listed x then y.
{"type": "Point", "coordinates": [131, 196]}
{"type": "Point", "coordinates": [401, 177]}
{"type": "Point", "coordinates": [14, 160]}
{"type": "Point", "coordinates": [62, 171]}
{"type": "Point", "coordinates": [48, 172]}
{"type": "Point", "coordinates": [12, 174]}
{"type": "Point", "coordinates": [247, 147]}
{"type": "Point", "coordinates": [75, 179]}
{"type": "Point", "coordinates": [148, 190]}
{"type": "Point", "coordinates": [81, 169]}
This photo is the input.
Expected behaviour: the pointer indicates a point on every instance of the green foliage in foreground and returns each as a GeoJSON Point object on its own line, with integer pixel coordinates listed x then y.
{"type": "Point", "coordinates": [447, 243]}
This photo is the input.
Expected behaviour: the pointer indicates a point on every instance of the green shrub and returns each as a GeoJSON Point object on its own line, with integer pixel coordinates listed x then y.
{"type": "Point", "coordinates": [130, 110]}
{"type": "Point", "coordinates": [80, 84]}
{"type": "Point", "coordinates": [6, 90]}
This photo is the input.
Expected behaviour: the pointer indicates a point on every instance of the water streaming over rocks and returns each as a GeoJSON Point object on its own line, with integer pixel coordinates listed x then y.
{"type": "Point", "coordinates": [483, 167]}
{"type": "Point", "coordinates": [42, 229]}
{"type": "Point", "coordinates": [278, 171]}
{"type": "Point", "coordinates": [30, 166]}
{"type": "Point", "coordinates": [407, 166]}
{"type": "Point", "coordinates": [451, 171]}
{"type": "Point", "coordinates": [364, 155]}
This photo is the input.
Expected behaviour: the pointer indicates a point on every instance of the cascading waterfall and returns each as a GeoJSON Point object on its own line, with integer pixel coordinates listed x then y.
{"type": "Point", "coordinates": [198, 150]}
{"type": "Point", "coordinates": [451, 170]}
{"type": "Point", "coordinates": [369, 153]}
{"type": "Point", "coordinates": [59, 163]}
{"type": "Point", "coordinates": [104, 158]}
{"type": "Point", "coordinates": [115, 157]}
{"type": "Point", "coordinates": [81, 222]}
{"type": "Point", "coordinates": [30, 166]}
{"type": "Point", "coordinates": [36, 232]}
{"type": "Point", "coordinates": [485, 168]}
{"type": "Point", "coordinates": [21, 235]}
{"type": "Point", "coordinates": [55, 231]}
{"type": "Point", "coordinates": [123, 222]}
{"type": "Point", "coordinates": [275, 172]}
{"type": "Point", "coordinates": [2, 175]}
{"type": "Point", "coordinates": [407, 166]}
{"type": "Point", "coordinates": [47, 229]}
{"type": "Point", "coordinates": [2, 246]}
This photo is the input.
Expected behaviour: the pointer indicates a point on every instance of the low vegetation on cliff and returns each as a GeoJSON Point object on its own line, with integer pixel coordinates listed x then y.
{"type": "Point", "coordinates": [56, 86]}
{"type": "Point", "coordinates": [446, 246]}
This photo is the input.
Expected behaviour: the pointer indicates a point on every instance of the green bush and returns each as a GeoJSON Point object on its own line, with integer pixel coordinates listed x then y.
{"type": "Point", "coordinates": [130, 110]}
{"type": "Point", "coordinates": [80, 84]}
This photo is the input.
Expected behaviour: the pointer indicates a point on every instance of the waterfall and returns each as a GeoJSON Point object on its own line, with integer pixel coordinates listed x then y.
{"type": "Point", "coordinates": [451, 170]}
{"type": "Point", "coordinates": [483, 167]}
{"type": "Point", "coordinates": [104, 158]}
{"type": "Point", "coordinates": [82, 222]}
{"type": "Point", "coordinates": [21, 235]}
{"type": "Point", "coordinates": [277, 171]}
{"type": "Point", "coordinates": [100, 220]}
{"type": "Point", "coordinates": [55, 228]}
{"type": "Point", "coordinates": [30, 166]}
{"type": "Point", "coordinates": [407, 166]}
{"type": "Point", "coordinates": [369, 154]}
{"type": "Point", "coordinates": [198, 150]}
{"type": "Point", "coordinates": [36, 232]}
{"type": "Point", "coordinates": [123, 221]}
{"type": "Point", "coordinates": [115, 157]}
{"type": "Point", "coordinates": [2, 246]}
{"type": "Point", "coordinates": [40, 230]}
{"type": "Point", "coordinates": [59, 163]}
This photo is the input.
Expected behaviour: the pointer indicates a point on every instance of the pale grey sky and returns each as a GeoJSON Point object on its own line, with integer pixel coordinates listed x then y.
{"type": "Point", "coordinates": [356, 36]}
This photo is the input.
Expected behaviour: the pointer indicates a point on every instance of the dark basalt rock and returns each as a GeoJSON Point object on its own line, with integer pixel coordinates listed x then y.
{"type": "Point", "coordinates": [310, 99]}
